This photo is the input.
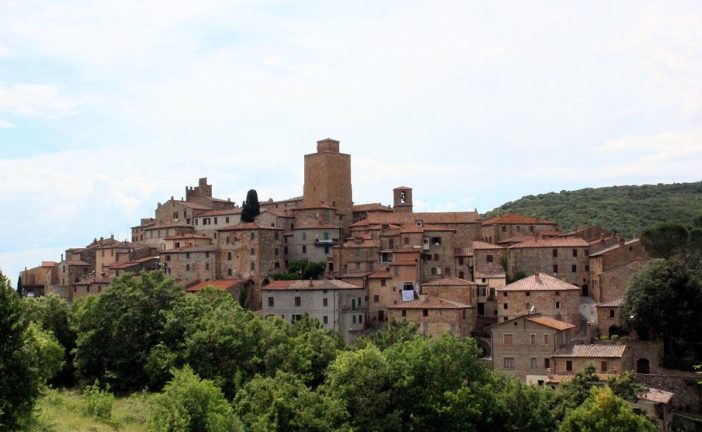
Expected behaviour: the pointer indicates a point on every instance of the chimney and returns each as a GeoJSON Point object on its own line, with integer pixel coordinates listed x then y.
{"type": "Point", "coordinates": [172, 198]}
{"type": "Point", "coordinates": [537, 278]}
{"type": "Point", "coordinates": [112, 236]}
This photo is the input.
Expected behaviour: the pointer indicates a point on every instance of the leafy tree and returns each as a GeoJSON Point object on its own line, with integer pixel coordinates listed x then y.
{"type": "Point", "coordinates": [626, 387]}
{"type": "Point", "coordinates": [251, 207]}
{"type": "Point", "coordinates": [362, 380]}
{"type": "Point", "coordinates": [302, 270]}
{"type": "Point", "coordinates": [284, 403]}
{"type": "Point", "coordinates": [572, 394]}
{"type": "Point", "coordinates": [117, 330]}
{"type": "Point", "coordinates": [665, 240]}
{"type": "Point", "coordinates": [52, 313]}
{"type": "Point", "coordinates": [663, 297]}
{"type": "Point", "coordinates": [19, 286]}
{"type": "Point", "coordinates": [603, 411]}
{"type": "Point", "coordinates": [394, 331]}
{"type": "Point", "coordinates": [28, 358]}
{"type": "Point", "coordinates": [189, 403]}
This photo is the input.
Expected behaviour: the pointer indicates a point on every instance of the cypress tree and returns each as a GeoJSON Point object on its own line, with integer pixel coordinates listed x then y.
{"type": "Point", "coordinates": [251, 207]}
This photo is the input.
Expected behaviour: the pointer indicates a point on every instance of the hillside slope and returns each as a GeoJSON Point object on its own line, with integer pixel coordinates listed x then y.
{"type": "Point", "coordinates": [623, 209]}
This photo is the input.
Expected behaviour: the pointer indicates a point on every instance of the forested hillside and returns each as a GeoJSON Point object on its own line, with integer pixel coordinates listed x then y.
{"type": "Point", "coordinates": [623, 209]}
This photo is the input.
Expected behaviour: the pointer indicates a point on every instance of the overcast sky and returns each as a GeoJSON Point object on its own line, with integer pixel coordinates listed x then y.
{"type": "Point", "coordinates": [108, 107]}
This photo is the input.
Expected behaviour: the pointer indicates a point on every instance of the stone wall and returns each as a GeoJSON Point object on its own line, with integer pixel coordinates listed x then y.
{"type": "Point", "coordinates": [683, 385]}
{"type": "Point", "coordinates": [518, 303]}
{"type": "Point", "coordinates": [531, 260]}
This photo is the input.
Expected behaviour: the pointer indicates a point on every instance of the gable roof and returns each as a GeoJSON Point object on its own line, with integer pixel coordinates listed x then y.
{"type": "Point", "coordinates": [325, 284]}
{"type": "Point", "coordinates": [536, 242]}
{"type": "Point", "coordinates": [430, 302]}
{"type": "Point", "coordinates": [449, 281]}
{"type": "Point", "coordinates": [550, 322]}
{"type": "Point", "coordinates": [590, 351]}
{"type": "Point", "coordinates": [371, 207]}
{"type": "Point", "coordinates": [539, 282]}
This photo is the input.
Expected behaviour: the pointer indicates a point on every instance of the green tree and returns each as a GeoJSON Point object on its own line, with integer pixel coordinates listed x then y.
{"type": "Point", "coordinates": [302, 270]}
{"type": "Point", "coordinates": [52, 313]}
{"type": "Point", "coordinates": [189, 403]}
{"type": "Point", "coordinates": [19, 286]}
{"type": "Point", "coordinates": [626, 387]}
{"type": "Point", "coordinates": [665, 240]}
{"type": "Point", "coordinates": [392, 332]}
{"type": "Point", "coordinates": [362, 380]}
{"type": "Point", "coordinates": [117, 330]}
{"type": "Point", "coordinates": [28, 358]}
{"type": "Point", "coordinates": [663, 297]}
{"type": "Point", "coordinates": [603, 411]}
{"type": "Point", "coordinates": [251, 207]}
{"type": "Point", "coordinates": [284, 403]}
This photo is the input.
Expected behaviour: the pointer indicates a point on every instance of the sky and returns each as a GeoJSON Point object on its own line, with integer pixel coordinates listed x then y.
{"type": "Point", "coordinates": [109, 107]}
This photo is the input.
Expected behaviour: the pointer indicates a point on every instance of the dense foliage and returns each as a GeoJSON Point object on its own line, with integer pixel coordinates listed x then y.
{"type": "Point", "coordinates": [626, 210]}
{"type": "Point", "coordinates": [251, 207]}
{"type": "Point", "coordinates": [29, 357]}
{"type": "Point", "coordinates": [603, 411]}
{"type": "Point", "coordinates": [302, 270]}
{"type": "Point", "coordinates": [222, 368]}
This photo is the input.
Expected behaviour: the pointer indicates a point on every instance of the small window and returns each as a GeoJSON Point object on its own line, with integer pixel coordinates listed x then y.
{"type": "Point", "coordinates": [304, 249]}
{"type": "Point", "coordinates": [271, 301]}
{"type": "Point", "coordinates": [325, 319]}
{"type": "Point", "coordinates": [532, 339]}
{"type": "Point", "coordinates": [603, 366]}
{"type": "Point", "coordinates": [555, 253]}
{"type": "Point", "coordinates": [489, 258]}
{"type": "Point", "coordinates": [360, 319]}
{"type": "Point", "coordinates": [569, 365]}
{"type": "Point", "coordinates": [404, 312]}
{"type": "Point", "coordinates": [509, 362]}
{"type": "Point", "coordinates": [298, 301]}
{"type": "Point", "coordinates": [325, 302]}
{"type": "Point", "coordinates": [253, 235]}
{"type": "Point", "coordinates": [575, 252]}
{"type": "Point", "coordinates": [532, 363]}
{"type": "Point", "coordinates": [253, 266]}
{"type": "Point", "coordinates": [555, 269]}
{"type": "Point", "coordinates": [611, 313]}
{"type": "Point", "coordinates": [425, 312]}
{"type": "Point", "coordinates": [507, 339]}
{"type": "Point", "coordinates": [376, 298]}
{"type": "Point", "coordinates": [229, 272]}
{"type": "Point", "coordinates": [547, 363]}
{"type": "Point", "coordinates": [546, 339]}
{"type": "Point", "coordinates": [504, 306]}
{"type": "Point", "coordinates": [252, 252]}
{"type": "Point", "coordinates": [353, 317]}
{"type": "Point", "coordinates": [558, 305]}
{"type": "Point", "coordinates": [574, 268]}
{"type": "Point", "coordinates": [383, 282]}
{"type": "Point", "coordinates": [187, 267]}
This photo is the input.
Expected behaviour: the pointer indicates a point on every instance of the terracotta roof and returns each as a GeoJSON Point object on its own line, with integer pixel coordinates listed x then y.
{"type": "Point", "coordinates": [380, 275]}
{"type": "Point", "coordinates": [363, 244]}
{"type": "Point", "coordinates": [132, 263]}
{"type": "Point", "coordinates": [490, 274]}
{"type": "Point", "coordinates": [465, 252]}
{"type": "Point", "coordinates": [222, 284]}
{"type": "Point", "coordinates": [330, 284]}
{"type": "Point", "coordinates": [512, 240]}
{"type": "Point", "coordinates": [477, 245]}
{"type": "Point", "coordinates": [169, 225]}
{"type": "Point", "coordinates": [430, 218]}
{"type": "Point", "coordinates": [532, 242]}
{"type": "Point", "coordinates": [430, 302]}
{"type": "Point", "coordinates": [371, 207]}
{"type": "Point", "coordinates": [614, 247]}
{"type": "Point", "coordinates": [450, 281]}
{"type": "Point", "coordinates": [590, 351]}
{"type": "Point", "coordinates": [539, 282]}
{"type": "Point", "coordinates": [315, 224]}
{"type": "Point", "coordinates": [277, 212]}
{"type": "Point", "coordinates": [562, 379]}
{"type": "Point", "coordinates": [550, 322]}
{"type": "Point", "coordinates": [515, 219]}
{"type": "Point", "coordinates": [313, 207]}
{"type": "Point", "coordinates": [656, 396]}
{"type": "Point", "coordinates": [208, 248]}
{"type": "Point", "coordinates": [614, 303]}
{"type": "Point", "coordinates": [192, 205]}
{"type": "Point", "coordinates": [49, 263]}
{"type": "Point", "coordinates": [248, 226]}
{"type": "Point", "coordinates": [187, 236]}
{"type": "Point", "coordinates": [223, 212]}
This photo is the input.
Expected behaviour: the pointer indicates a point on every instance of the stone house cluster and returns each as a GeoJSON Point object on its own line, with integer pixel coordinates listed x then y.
{"type": "Point", "coordinates": [444, 271]}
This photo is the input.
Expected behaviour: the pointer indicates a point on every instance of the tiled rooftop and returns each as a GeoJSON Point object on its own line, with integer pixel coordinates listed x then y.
{"type": "Point", "coordinates": [590, 351]}
{"type": "Point", "coordinates": [539, 282]}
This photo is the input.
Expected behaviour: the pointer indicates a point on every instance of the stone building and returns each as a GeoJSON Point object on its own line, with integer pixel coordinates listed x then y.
{"type": "Point", "coordinates": [436, 316]}
{"type": "Point", "coordinates": [207, 223]}
{"type": "Point", "coordinates": [523, 346]}
{"type": "Point", "coordinates": [571, 359]}
{"type": "Point", "coordinates": [542, 294]}
{"type": "Point", "coordinates": [612, 268]}
{"type": "Point", "coordinates": [507, 225]}
{"type": "Point", "coordinates": [362, 211]}
{"type": "Point", "coordinates": [487, 262]}
{"type": "Point", "coordinates": [190, 264]}
{"type": "Point", "coordinates": [338, 305]}
{"type": "Point", "coordinates": [565, 258]}
{"type": "Point", "coordinates": [37, 280]}
{"type": "Point", "coordinates": [609, 317]}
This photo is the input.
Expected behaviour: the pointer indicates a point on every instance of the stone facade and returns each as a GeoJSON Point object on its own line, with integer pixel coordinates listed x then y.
{"type": "Point", "coordinates": [507, 226]}
{"type": "Point", "coordinates": [436, 316]}
{"type": "Point", "coordinates": [523, 346]}
{"type": "Point", "coordinates": [188, 265]}
{"type": "Point", "coordinates": [606, 359]}
{"type": "Point", "coordinates": [612, 268]}
{"type": "Point", "coordinates": [547, 295]}
{"type": "Point", "coordinates": [338, 305]}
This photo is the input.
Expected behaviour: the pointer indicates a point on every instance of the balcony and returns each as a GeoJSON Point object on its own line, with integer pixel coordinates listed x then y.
{"type": "Point", "coordinates": [325, 242]}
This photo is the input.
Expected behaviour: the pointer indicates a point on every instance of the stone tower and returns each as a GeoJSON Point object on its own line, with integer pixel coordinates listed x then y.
{"type": "Point", "coordinates": [201, 194]}
{"type": "Point", "coordinates": [328, 179]}
{"type": "Point", "coordinates": [402, 199]}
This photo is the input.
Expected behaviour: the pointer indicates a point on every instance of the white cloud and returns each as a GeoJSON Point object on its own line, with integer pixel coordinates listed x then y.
{"type": "Point", "coordinates": [5, 124]}
{"type": "Point", "coordinates": [35, 100]}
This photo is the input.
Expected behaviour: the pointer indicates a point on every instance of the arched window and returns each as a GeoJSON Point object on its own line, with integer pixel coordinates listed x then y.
{"type": "Point", "coordinates": [643, 366]}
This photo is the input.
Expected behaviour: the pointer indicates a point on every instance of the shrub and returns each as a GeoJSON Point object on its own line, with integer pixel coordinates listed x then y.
{"type": "Point", "coordinates": [615, 337]}
{"type": "Point", "coordinates": [98, 403]}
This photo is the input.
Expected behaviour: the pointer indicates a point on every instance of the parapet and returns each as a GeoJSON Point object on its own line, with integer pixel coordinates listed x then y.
{"type": "Point", "coordinates": [328, 145]}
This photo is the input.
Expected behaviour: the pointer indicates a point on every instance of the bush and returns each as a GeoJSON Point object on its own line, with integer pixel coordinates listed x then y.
{"type": "Point", "coordinates": [98, 403]}
{"type": "Point", "coordinates": [615, 337]}
{"type": "Point", "coordinates": [604, 337]}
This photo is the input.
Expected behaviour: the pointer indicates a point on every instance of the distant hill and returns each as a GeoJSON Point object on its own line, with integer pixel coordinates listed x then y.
{"type": "Point", "coordinates": [625, 210]}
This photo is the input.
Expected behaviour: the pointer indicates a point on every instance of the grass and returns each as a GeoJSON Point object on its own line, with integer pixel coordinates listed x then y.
{"type": "Point", "coordinates": [63, 411]}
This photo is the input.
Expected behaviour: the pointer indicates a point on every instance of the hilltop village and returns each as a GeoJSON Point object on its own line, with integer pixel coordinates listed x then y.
{"type": "Point", "coordinates": [542, 303]}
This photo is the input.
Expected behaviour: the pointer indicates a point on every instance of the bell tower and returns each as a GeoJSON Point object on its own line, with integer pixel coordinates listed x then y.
{"type": "Point", "coordinates": [328, 179]}
{"type": "Point", "coordinates": [402, 199]}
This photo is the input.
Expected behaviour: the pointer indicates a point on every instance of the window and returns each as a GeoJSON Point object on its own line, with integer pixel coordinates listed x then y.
{"type": "Point", "coordinates": [575, 252]}
{"type": "Point", "coordinates": [504, 228]}
{"type": "Point", "coordinates": [304, 235]}
{"type": "Point", "coordinates": [532, 339]}
{"type": "Point", "coordinates": [187, 267]}
{"type": "Point", "coordinates": [304, 249]}
{"type": "Point", "coordinates": [187, 255]}
{"type": "Point", "coordinates": [489, 258]}
{"type": "Point", "coordinates": [296, 317]}
{"type": "Point", "coordinates": [215, 221]}
{"type": "Point", "coordinates": [603, 366]}
{"type": "Point", "coordinates": [558, 305]}
{"type": "Point", "coordinates": [253, 266]}
{"type": "Point", "coordinates": [460, 260]}
{"type": "Point", "coordinates": [325, 319]}
{"type": "Point", "coordinates": [271, 302]}
{"type": "Point", "coordinates": [546, 339]}
{"type": "Point", "coordinates": [376, 298]}
{"type": "Point", "coordinates": [298, 301]}
{"type": "Point", "coordinates": [252, 252]}
{"type": "Point", "coordinates": [555, 269]}
{"type": "Point", "coordinates": [569, 365]}
{"type": "Point", "coordinates": [229, 272]}
{"type": "Point", "coordinates": [325, 302]}
{"type": "Point", "coordinates": [461, 275]}
{"type": "Point", "coordinates": [555, 253]}
{"type": "Point", "coordinates": [532, 363]}
{"type": "Point", "coordinates": [507, 339]}
{"type": "Point", "coordinates": [358, 266]}
{"type": "Point", "coordinates": [207, 266]}
{"type": "Point", "coordinates": [528, 293]}
{"type": "Point", "coordinates": [275, 251]}
{"type": "Point", "coordinates": [425, 312]}
{"type": "Point", "coordinates": [504, 306]}
{"type": "Point", "coordinates": [504, 293]}
{"type": "Point", "coordinates": [253, 235]}
{"type": "Point", "coordinates": [383, 282]}
{"type": "Point", "coordinates": [547, 363]}
{"type": "Point", "coordinates": [353, 317]}
{"type": "Point", "coordinates": [531, 228]}
{"type": "Point", "coordinates": [509, 362]}
{"type": "Point", "coordinates": [404, 312]}
{"type": "Point", "coordinates": [436, 257]}
{"type": "Point", "coordinates": [611, 313]}
{"type": "Point", "coordinates": [168, 257]}
{"type": "Point", "coordinates": [360, 319]}
{"type": "Point", "coordinates": [226, 219]}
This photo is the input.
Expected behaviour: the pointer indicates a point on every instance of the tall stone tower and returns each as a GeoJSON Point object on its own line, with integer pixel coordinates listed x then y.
{"type": "Point", "coordinates": [402, 199]}
{"type": "Point", "coordinates": [328, 179]}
